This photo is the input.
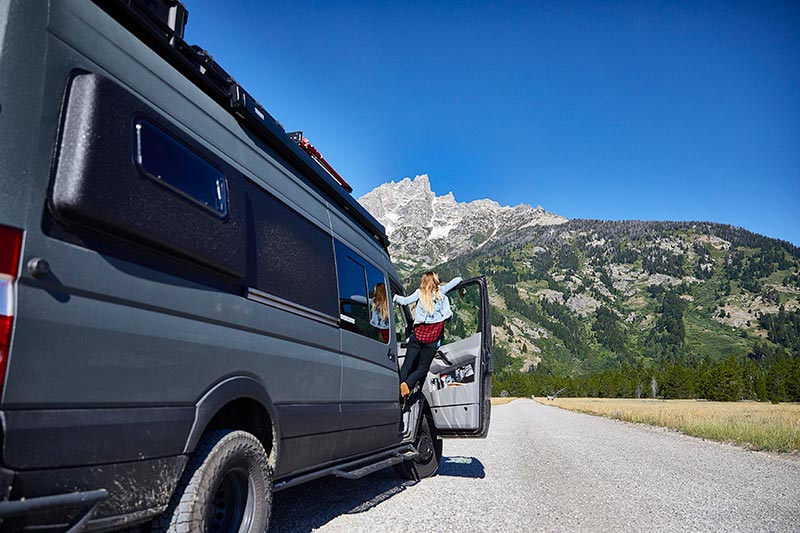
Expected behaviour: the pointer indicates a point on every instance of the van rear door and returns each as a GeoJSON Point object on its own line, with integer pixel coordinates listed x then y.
{"type": "Point", "coordinates": [459, 384]}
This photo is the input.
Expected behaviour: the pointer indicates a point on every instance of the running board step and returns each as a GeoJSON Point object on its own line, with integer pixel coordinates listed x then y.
{"type": "Point", "coordinates": [354, 469]}
{"type": "Point", "coordinates": [374, 467]}
{"type": "Point", "coordinates": [409, 455]}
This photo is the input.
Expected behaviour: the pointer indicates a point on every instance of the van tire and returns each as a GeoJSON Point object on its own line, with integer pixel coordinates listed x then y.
{"type": "Point", "coordinates": [226, 486]}
{"type": "Point", "coordinates": [430, 448]}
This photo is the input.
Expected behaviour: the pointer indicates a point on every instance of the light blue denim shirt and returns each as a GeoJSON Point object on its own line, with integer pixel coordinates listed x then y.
{"type": "Point", "coordinates": [375, 318]}
{"type": "Point", "coordinates": [441, 307]}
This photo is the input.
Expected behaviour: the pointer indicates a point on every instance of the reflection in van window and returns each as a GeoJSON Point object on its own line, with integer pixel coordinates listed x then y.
{"type": "Point", "coordinates": [400, 325]}
{"type": "Point", "coordinates": [353, 296]}
{"type": "Point", "coordinates": [378, 305]}
{"type": "Point", "coordinates": [175, 165]}
{"type": "Point", "coordinates": [363, 299]}
{"type": "Point", "coordinates": [465, 304]}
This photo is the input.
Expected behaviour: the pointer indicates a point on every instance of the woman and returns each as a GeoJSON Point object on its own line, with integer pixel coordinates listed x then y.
{"type": "Point", "coordinates": [378, 310]}
{"type": "Point", "coordinates": [433, 308]}
{"type": "Point", "coordinates": [379, 316]}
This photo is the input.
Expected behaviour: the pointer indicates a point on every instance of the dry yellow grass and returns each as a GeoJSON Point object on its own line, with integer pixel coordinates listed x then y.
{"type": "Point", "coordinates": [757, 426]}
{"type": "Point", "coordinates": [502, 401]}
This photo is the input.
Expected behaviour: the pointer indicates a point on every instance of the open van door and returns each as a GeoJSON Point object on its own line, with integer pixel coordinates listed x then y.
{"type": "Point", "coordinates": [459, 384]}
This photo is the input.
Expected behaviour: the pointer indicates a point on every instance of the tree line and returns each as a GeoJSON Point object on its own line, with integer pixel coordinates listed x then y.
{"type": "Point", "coordinates": [768, 374]}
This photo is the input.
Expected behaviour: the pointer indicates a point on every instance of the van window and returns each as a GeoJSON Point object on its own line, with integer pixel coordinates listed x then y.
{"type": "Point", "coordinates": [466, 306]}
{"type": "Point", "coordinates": [376, 285]}
{"type": "Point", "coordinates": [359, 284]}
{"type": "Point", "coordinates": [353, 303]}
{"type": "Point", "coordinates": [400, 325]}
{"type": "Point", "coordinates": [175, 165]}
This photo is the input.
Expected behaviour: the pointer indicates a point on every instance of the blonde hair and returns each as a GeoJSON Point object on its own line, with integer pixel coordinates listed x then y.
{"type": "Point", "coordinates": [429, 291]}
{"type": "Point", "coordinates": [379, 302]}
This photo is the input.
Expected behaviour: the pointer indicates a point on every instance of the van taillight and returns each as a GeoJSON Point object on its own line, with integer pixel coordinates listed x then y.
{"type": "Point", "coordinates": [6, 322]}
{"type": "Point", "coordinates": [10, 248]}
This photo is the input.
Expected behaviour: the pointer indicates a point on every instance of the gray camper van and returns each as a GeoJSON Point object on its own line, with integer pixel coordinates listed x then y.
{"type": "Point", "coordinates": [184, 292]}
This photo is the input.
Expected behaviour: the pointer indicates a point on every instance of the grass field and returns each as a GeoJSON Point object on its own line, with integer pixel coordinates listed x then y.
{"type": "Point", "coordinates": [757, 426]}
{"type": "Point", "coordinates": [502, 401]}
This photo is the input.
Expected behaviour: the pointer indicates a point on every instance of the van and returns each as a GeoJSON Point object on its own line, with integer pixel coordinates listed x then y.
{"type": "Point", "coordinates": [184, 292]}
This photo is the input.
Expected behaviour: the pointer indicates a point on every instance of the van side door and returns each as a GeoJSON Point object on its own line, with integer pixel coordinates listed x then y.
{"type": "Point", "coordinates": [369, 399]}
{"type": "Point", "coordinates": [459, 383]}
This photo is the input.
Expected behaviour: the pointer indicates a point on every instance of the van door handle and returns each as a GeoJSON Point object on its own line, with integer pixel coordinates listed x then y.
{"type": "Point", "coordinates": [390, 355]}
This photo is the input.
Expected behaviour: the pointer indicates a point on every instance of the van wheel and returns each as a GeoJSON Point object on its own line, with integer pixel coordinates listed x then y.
{"type": "Point", "coordinates": [227, 486]}
{"type": "Point", "coordinates": [430, 453]}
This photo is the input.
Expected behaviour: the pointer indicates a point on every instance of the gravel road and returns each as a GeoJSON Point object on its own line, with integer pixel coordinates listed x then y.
{"type": "Point", "coordinates": [546, 469]}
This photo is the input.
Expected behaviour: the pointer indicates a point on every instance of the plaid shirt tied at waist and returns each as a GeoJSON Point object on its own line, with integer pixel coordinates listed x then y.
{"type": "Point", "coordinates": [427, 333]}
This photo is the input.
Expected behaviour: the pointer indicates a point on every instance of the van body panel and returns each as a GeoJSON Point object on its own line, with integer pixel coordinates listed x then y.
{"type": "Point", "coordinates": [140, 355]}
{"type": "Point", "coordinates": [21, 77]}
{"type": "Point", "coordinates": [305, 453]}
{"type": "Point", "coordinates": [368, 372]}
{"type": "Point", "coordinates": [143, 489]}
{"type": "Point", "coordinates": [48, 438]}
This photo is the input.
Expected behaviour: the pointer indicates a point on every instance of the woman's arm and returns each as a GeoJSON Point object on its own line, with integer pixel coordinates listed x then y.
{"type": "Point", "coordinates": [405, 300]}
{"type": "Point", "coordinates": [450, 284]}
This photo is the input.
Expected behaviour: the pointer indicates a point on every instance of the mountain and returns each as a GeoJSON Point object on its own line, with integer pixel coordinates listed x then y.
{"type": "Point", "coordinates": [582, 297]}
{"type": "Point", "coordinates": [426, 229]}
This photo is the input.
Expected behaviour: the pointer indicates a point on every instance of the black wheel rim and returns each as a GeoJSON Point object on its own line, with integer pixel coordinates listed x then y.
{"type": "Point", "coordinates": [425, 447]}
{"type": "Point", "coordinates": [233, 504]}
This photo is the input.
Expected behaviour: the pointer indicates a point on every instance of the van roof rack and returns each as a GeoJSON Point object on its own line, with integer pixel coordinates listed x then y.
{"type": "Point", "coordinates": [160, 25]}
{"type": "Point", "coordinates": [305, 144]}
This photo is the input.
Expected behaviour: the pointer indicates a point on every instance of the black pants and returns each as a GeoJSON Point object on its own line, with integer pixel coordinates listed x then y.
{"type": "Point", "coordinates": [417, 362]}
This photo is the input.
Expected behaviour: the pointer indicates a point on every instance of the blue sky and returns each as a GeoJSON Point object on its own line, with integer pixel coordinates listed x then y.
{"type": "Point", "coordinates": [609, 110]}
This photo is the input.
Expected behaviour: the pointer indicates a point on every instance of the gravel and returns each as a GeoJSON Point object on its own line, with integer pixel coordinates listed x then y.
{"type": "Point", "coordinates": [546, 469]}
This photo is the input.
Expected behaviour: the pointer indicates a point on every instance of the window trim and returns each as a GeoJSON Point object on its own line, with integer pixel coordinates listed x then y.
{"type": "Point", "coordinates": [365, 264]}
{"type": "Point", "coordinates": [138, 121]}
{"type": "Point", "coordinates": [277, 302]}
{"type": "Point", "coordinates": [405, 313]}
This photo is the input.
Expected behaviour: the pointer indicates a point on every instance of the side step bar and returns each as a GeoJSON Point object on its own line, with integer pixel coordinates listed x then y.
{"type": "Point", "coordinates": [355, 469]}
{"type": "Point", "coordinates": [86, 501]}
{"type": "Point", "coordinates": [374, 467]}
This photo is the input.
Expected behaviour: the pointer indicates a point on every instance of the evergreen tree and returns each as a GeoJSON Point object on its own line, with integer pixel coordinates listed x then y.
{"type": "Point", "coordinates": [677, 381]}
{"type": "Point", "coordinates": [608, 329]}
{"type": "Point", "coordinates": [723, 382]}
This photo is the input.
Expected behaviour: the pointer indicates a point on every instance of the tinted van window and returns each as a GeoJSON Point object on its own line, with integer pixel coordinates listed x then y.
{"type": "Point", "coordinates": [360, 284]}
{"type": "Point", "coordinates": [379, 314]}
{"type": "Point", "coordinates": [167, 160]}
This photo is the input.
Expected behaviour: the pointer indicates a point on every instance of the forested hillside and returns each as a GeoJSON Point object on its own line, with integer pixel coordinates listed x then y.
{"type": "Point", "coordinates": [633, 308]}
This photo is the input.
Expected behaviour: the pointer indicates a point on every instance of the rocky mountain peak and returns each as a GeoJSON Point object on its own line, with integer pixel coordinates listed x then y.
{"type": "Point", "coordinates": [426, 229]}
